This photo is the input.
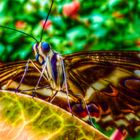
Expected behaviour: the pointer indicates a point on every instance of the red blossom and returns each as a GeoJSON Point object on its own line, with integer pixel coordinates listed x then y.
{"type": "Point", "coordinates": [20, 24]}
{"type": "Point", "coordinates": [70, 43]}
{"type": "Point", "coordinates": [70, 10]}
{"type": "Point", "coordinates": [47, 25]}
{"type": "Point", "coordinates": [118, 15]}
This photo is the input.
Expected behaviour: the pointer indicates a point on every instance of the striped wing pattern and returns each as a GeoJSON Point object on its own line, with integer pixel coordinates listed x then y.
{"type": "Point", "coordinates": [109, 83]}
{"type": "Point", "coordinates": [14, 71]}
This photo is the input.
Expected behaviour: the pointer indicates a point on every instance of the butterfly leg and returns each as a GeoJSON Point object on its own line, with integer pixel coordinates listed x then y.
{"type": "Point", "coordinates": [41, 75]}
{"type": "Point", "coordinates": [53, 97]}
{"type": "Point", "coordinates": [86, 107]}
{"type": "Point", "coordinates": [66, 86]}
{"type": "Point", "coordinates": [64, 83]}
{"type": "Point", "coordinates": [25, 72]}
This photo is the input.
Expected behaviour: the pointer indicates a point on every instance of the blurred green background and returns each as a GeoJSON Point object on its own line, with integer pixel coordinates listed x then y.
{"type": "Point", "coordinates": [73, 26]}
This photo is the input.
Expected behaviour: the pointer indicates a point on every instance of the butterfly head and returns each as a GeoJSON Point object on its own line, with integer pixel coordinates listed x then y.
{"type": "Point", "coordinates": [41, 51]}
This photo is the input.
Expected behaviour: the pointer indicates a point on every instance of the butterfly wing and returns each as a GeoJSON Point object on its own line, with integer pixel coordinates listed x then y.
{"type": "Point", "coordinates": [109, 82]}
{"type": "Point", "coordinates": [12, 73]}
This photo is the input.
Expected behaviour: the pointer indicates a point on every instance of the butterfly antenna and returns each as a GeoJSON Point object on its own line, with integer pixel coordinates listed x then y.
{"type": "Point", "coordinates": [46, 21]}
{"type": "Point", "coordinates": [19, 32]}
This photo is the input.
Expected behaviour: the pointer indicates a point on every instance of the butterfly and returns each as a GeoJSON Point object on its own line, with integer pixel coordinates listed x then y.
{"type": "Point", "coordinates": [104, 85]}
{"type": "Point", "coordinates": [107, 81]}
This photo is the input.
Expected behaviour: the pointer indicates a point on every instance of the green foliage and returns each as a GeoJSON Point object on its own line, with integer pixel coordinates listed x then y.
{"type": "Point", "coordinates": [98, 25]}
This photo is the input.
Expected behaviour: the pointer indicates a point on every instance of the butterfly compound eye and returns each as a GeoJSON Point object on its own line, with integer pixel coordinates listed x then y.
{"type": "Point", "coordinates": [45, 47]}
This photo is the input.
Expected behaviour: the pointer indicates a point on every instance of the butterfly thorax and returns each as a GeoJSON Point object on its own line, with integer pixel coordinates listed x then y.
{"type": "Point", "coordinates": [52, 64]}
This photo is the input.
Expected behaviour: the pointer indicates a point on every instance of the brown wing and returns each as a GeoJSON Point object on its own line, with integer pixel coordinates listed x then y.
{"type": "Point", "coordinates": [108, 81]}
{"type": "Point", "coordinates": [11, 75]}
{"type": "Point", "coordinates": [110, 84]}
{"type": "Point", "coordinates": [14, 71]}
